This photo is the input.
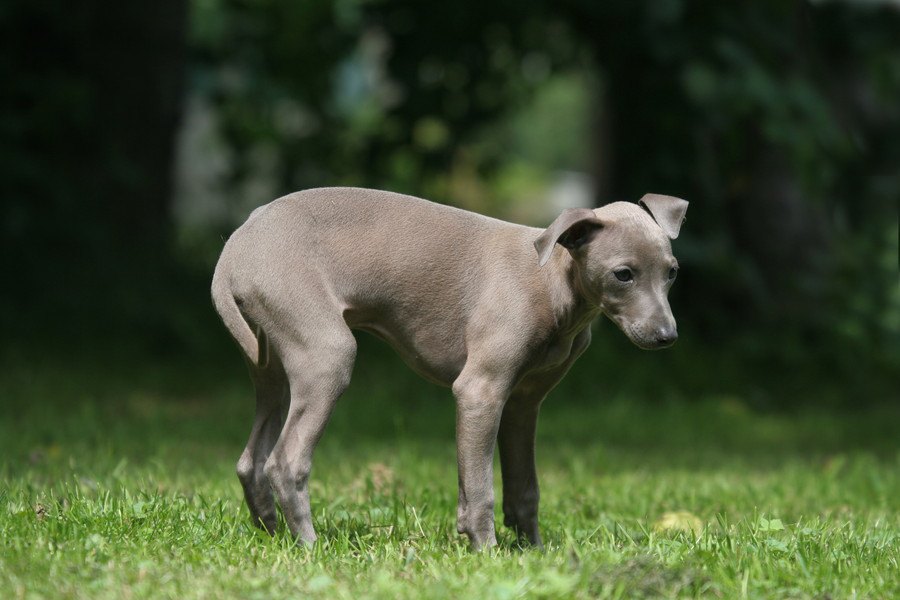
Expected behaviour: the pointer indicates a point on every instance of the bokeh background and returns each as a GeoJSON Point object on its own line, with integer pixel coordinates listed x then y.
{"type": "Point", "coordinates": [135, 136]}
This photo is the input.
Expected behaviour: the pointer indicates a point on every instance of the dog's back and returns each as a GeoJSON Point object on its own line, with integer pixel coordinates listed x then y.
{"type": "Point", "coordinates": [397, 266]}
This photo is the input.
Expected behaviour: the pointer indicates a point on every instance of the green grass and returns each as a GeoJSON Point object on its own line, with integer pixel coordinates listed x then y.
{"type": "Point", "coordinates": [117, 480]}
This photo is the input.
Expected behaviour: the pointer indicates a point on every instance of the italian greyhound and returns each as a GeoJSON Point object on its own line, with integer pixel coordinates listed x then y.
{"type": "Point", "coordinates": [494, 310]}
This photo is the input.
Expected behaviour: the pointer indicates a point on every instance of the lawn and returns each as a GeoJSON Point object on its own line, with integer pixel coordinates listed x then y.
{"type": "Point", "coordinates": [117, 481]}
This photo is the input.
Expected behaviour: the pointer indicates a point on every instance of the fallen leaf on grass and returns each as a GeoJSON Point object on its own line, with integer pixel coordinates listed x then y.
{"type": "Point", "coordinates": [382, 476]}
{"type": "Point", "coordinates": [770, 524]}
{"type": "Point", "coordinates": [680, 520]}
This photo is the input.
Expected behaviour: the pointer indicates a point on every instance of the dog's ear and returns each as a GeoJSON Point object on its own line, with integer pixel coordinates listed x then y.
{"type": "Point", "coordinates": [667, 211]}
{"type": "Point", "coordinates": [571, 229]}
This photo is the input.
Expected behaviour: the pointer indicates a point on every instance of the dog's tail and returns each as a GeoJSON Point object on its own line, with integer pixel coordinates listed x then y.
{"type": "Point", "coordinates": [231, 315]}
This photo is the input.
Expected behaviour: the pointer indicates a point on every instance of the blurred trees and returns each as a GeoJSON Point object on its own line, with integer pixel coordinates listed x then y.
{"type": "Point", "coordinates": [771, 117]}
{"type": "Point", "coordinates": [91, 99]}
{"type": "Point", "coordinates": [778, 120]}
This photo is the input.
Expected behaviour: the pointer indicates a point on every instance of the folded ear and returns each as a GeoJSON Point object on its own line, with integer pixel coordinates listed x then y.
{"type": "Point", "coordinates": [571, 229]}
{"type": "Point", "coordinates": [667, 211]}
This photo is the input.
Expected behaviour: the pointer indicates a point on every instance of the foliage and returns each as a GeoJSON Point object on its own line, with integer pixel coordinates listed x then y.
{"type": "Point", "coordinates": [777, 120]}
{"type": "Point", "coordinates": [89, 105]}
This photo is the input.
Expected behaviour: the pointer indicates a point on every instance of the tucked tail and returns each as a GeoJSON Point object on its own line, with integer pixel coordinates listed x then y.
{"type": "Point", "coordinates": [231, 315]}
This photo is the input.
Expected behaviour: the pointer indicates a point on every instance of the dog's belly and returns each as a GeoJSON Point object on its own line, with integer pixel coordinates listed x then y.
{"type": "Point", "coordinates": [437, 360]}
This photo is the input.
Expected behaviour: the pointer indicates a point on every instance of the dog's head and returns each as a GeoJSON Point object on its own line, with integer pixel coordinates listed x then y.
{"type": "Point", "coordinates": [623, 262]}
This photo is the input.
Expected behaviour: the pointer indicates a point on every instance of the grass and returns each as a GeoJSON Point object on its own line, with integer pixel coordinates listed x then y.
{"type": "Point", "coordinates": [117, 481]}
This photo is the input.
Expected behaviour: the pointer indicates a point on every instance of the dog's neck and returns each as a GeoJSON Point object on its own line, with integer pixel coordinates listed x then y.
{"type": "Point", "coordinates": [571, 308]}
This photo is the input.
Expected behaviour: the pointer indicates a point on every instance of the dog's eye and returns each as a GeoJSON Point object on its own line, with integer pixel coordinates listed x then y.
{"type": "Point", "coordinates": [673, 272]}
{"type": "Point", "coordinates": [623, 274]}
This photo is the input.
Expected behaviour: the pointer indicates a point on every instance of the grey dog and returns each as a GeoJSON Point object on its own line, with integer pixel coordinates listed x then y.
{"type": "Point", "coordinates": [496, 311]}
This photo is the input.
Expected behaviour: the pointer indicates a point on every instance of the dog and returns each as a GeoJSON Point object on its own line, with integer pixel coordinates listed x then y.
{"type": "Point", "coordinates": [494, 310]}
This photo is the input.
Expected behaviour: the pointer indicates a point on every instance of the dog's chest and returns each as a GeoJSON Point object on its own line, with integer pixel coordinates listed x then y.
{"type": "Point", "coordinates": [558, 351]}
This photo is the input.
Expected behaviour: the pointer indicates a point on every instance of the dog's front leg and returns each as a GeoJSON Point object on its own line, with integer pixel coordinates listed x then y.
{"type": "Point", "coordinates": [521, 493]}
{"type": "Point", "coordinates": [479, 406]}
{"type": "Point", "coordinates": [518, 426]}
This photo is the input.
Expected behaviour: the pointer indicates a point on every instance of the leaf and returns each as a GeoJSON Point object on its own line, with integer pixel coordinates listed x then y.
{"type": "Point", "coordinates": [681, 520]}
{"type": "Point", "coordinates": [770, 524]}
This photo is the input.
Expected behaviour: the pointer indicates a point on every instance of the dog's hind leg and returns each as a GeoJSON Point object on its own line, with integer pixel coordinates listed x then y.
{"type": "Point", "coordinates": [318, 367]}
{"type": "Point", "coordinates": [272, 393]}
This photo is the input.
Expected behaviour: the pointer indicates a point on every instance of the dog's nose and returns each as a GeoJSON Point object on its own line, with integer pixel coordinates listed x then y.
{"type": "Point", "coordinates": [666, 336]}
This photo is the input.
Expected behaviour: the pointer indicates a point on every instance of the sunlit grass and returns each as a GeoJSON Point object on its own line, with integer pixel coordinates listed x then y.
{"type": "Point", "coordinates": [120, 484]}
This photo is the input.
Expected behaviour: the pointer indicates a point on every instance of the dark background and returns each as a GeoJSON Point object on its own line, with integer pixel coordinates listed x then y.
{"type": "Point", "coordinates": [135, 136]}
